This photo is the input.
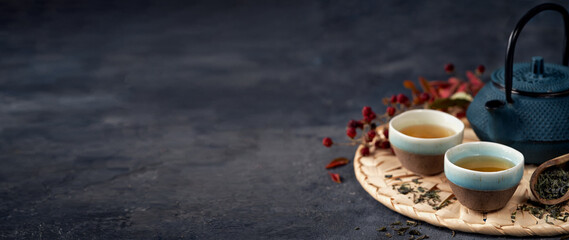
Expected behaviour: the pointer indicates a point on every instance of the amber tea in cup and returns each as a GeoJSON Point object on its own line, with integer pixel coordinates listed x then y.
{"type": "Point", "coordinates": [484, 163]}
{"type": "Point", "coordinates": [427, 131]}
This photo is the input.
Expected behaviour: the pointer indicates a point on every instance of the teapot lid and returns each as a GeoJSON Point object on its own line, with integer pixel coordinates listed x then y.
{"type": "Point", "coordinates": [536, 78]}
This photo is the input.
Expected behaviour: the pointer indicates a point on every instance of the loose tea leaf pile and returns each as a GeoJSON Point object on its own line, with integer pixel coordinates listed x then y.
{"type": "Point", "coordinates": [552, 183]}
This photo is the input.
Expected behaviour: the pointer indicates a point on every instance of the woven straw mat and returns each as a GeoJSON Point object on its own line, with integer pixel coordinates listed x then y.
{"type": "Point", "coordinates": [371, 172]}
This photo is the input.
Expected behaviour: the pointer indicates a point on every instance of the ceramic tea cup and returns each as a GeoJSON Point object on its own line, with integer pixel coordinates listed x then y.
{"type": "Point", "coordinates": [478, 190]}
{"type": "Point", "coordinates": [422, 155]}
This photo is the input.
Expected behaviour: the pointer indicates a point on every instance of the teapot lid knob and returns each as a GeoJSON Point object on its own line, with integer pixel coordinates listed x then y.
{"type": "Point", "coordinates": [537, 66]}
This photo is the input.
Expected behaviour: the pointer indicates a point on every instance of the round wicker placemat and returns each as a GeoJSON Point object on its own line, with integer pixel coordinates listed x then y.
{"type": "Point", "coordinates": [371, 172]}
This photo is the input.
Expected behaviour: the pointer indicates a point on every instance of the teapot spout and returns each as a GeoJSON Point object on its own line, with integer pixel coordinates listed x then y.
{"type": "Point", "coordinates": [501, 124]}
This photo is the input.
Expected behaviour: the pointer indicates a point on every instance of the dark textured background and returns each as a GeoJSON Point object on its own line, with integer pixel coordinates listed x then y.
{"type": "Point", "coordinates": [204, 119]}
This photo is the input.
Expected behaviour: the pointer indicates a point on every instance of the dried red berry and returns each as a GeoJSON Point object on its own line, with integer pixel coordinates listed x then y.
{"type": "Point", "coordinates": [390, 111]}
{"type": "Point", "coordinates": [449, 68]}
{"type": "Point", "coordinates": [386, 132]}
{"type": "Point", "coordinates": [364, 151]}
{"type": "Point", "coordinates": [366, 111]}
{"type": "Point", "coordinates": [377, 144]}
{"type": "Point", "coordinates": [327, 142]}
{"type": "Point", "coordinates": [393, 99]}
{"type": "Point", "coordinates": [371, 135]}
{"type": "Point", "coordinates": [480, 69]}
{"type": "Point", "coordinates": [401, 98]}
{"type": "Point", "coordinates": [423, 97]}
{"type": "Point", "coordinates": [355, 124]}
{"type": "Point", "coordinates": [461, 114]}
{"type": "Point", "coordinates": [351, 132]}
{"type": "Point", "coordinates": [370, 117]}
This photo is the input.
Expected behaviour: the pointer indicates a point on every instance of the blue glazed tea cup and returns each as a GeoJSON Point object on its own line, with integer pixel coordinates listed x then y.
{"type": "Point", "coordinates": [423, 156]}
{"type": "Point", "coordinates": [483, 191]}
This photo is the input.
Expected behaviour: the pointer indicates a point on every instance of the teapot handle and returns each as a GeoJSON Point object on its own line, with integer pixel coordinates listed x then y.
{"type": "Point", "coordinates": [514, 37]}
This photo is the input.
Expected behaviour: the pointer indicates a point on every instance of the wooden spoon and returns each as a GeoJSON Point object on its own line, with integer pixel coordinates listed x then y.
{"type": "Point", "coordinates": [560, 161]}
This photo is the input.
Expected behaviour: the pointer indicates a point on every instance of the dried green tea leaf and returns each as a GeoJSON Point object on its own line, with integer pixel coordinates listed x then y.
{"type": "Point", "coordinates": [552, 183]}
{"type": "Point", "coordinates": [396, 223]}
{"type": "Point", "coordinates": [414, 232]}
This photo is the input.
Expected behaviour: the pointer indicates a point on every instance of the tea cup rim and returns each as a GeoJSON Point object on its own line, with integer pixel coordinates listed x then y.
{"type": "Point", "coordinates": [425, 146]}
{"type": "Point", "coordinates": [417, 111]}
{"type": "Point", "coordinates": [484, 181]}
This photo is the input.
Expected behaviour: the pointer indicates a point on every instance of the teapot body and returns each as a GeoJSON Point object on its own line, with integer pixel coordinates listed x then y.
{"type": "Point", "coordinates": [536, 126]}
{"type": "Point", "coordinates": [526, 106]}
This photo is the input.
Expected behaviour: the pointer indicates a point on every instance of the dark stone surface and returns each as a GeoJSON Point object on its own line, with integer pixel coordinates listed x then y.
{"type": "Point", "coordinates": [203, 120]}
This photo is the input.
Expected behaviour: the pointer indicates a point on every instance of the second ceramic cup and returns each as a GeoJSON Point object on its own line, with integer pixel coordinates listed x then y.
{"type": "Point", "coordinates": [415, 149]}
{"type": "Point", "coordinates": [486, 190]}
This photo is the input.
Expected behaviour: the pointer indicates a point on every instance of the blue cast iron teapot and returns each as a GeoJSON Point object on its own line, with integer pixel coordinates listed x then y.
{"type": "Point", "coordinates": [526, 106]}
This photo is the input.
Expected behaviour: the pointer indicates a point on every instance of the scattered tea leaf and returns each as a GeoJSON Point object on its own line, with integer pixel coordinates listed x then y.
{"type": "Point", "coordinates": [341, 161]}
{"type": "Point", "coordinates": [412, 223]}
{"type": "Point", "coordinates": [414, 232]}
{"type": "Point", "coordinates": [551, 212]}
{"type": "Point", "coordinates": [396, 223]}
{"type": "Point", "coordinates": [382, 229]}
{"type": "Point", "coordinates": [416, 181]}
{"type": "Point", "coordinates": [431, 197]}
{"type": "Point", "coordinates": [401, 231]}
{"type": "Point", "coordinates": [547, 220]}
{"type": "Point", "coordinates": [405, 188]}
{"type": "Point", "coordinates": [388, 176]}
{"type": "Point", "coordinates": [442, 205]}
{"type": "Point", "coordinates": [357, 228]}
{"type": "Point", "coordinates": [388, 235]}
{"type": "Point", "coordinates": [453, 233]}
{"type": "Point", "coordinates": [422, 237]}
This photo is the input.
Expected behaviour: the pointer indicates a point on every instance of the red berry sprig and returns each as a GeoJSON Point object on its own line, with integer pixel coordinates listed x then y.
{"type": "Point", "coordinates": [355, 124]}
{"type": "Point", "coordinates": [373, 138]}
